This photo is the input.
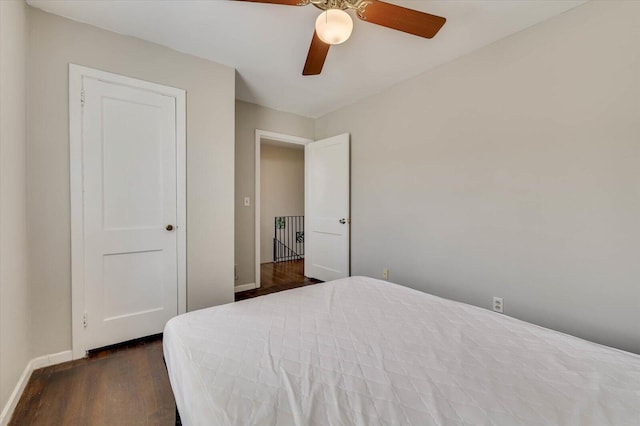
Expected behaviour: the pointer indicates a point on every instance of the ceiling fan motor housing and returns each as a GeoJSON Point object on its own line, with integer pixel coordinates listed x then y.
{"type": "Point", "coordinates": [358, 5]}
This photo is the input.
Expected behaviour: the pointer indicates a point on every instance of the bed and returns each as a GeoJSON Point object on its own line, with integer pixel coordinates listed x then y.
{"type": "Point", "coordinates": [360, 351]}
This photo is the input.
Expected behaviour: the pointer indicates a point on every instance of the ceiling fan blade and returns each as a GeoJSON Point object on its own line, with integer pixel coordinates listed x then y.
{"type": "Point", "coordinates": [284, 2]}
{"type": "Point", "coordinates": [316, 56]}
{"type": "Point", "coordinates": [402, 19]}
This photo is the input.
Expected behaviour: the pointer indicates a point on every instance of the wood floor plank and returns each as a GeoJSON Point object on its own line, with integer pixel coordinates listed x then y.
{"type": "Point", "coordinates": [279, 276]}
{"type": "Point", "coordinates": [122, 386]}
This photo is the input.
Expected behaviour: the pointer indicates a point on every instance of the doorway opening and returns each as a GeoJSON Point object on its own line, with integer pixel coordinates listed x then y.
{"type": "Point", "coordinates": [279, 213]}
{"type": "Point", "coordinates": [326, 232]}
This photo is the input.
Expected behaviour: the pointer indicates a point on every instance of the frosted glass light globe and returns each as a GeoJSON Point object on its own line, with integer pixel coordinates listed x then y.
{"type": "Point", "coordinates": [334, 26]}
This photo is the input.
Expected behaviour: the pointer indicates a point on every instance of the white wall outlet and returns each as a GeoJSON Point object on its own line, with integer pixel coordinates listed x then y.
{"type": "Point", "coordinates": [498, 304]}
{"type": "Point", "coordinates": [385, 274]}
{"type": "Point", "coordinates": [247, 201]}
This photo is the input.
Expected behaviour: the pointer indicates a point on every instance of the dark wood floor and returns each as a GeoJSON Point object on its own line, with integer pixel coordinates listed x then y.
{"type": "Point", "coordinates": [123, 386]}
{"type": "Point", "coordinates": [126, 385]}
{"type": "Point", "coordinates": [279, 276]}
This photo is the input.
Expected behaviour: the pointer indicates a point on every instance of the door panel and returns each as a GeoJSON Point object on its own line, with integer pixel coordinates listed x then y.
{"type": "Point", "coordinates": [134, 275]}
{"type": "Point", "coordinates": [327, 208]}
{"type": "Point", "coordinates": [132, 169]}
{"type": "Point", "coordinates": [130, 196]}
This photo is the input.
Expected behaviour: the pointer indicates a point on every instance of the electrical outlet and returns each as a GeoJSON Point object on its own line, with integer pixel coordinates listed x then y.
{"type": "Point", "coordinates": [385, 274]}
{"type": "Point", "coordinates": [498, 304]}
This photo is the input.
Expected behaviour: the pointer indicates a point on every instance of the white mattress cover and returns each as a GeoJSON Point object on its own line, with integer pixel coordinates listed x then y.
{"type": "Point", "coordinates": [360, 351]}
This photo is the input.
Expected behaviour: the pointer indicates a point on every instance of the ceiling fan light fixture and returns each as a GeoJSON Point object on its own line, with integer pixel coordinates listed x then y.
{"type": "Point", "coordinates": [334, 26]}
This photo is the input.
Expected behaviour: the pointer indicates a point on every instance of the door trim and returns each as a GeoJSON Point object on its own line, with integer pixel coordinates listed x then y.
{"type": "Point", "coordinates": [263, 134]}
{"type": "Point", "coordinates": [77, 74]}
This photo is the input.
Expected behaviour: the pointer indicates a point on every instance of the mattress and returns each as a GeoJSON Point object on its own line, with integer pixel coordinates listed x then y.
{"type": "Point", "coordinates": [359, 351]}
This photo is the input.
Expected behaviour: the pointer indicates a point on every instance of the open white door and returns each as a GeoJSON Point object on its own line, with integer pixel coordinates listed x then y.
{"type": "Point", "coordinates": [327, 208]}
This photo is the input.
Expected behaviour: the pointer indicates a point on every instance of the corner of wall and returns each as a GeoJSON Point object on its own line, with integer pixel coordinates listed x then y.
{"type": "Point", "coordinates": [15, 322]}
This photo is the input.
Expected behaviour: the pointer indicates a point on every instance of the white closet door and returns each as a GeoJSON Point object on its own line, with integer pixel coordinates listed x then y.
{"type": "Point", "coordinates": [130, 212]}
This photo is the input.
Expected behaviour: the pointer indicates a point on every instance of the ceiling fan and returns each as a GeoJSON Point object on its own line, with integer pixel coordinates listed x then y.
{"type": "Point", "coordinates": [334, 25]}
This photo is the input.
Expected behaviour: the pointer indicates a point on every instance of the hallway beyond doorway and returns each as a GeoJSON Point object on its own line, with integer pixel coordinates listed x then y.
{"type": "Point", "coordinates": [279, 276]}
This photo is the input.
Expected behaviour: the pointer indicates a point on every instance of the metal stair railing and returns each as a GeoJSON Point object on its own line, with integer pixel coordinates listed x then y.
{"type": "Point", "coordinates": [288, 241]}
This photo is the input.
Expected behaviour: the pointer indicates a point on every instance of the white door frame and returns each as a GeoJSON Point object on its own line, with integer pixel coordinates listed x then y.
{"type": "Point", "coordinates": [263, 134]}
{"type": "Point", "coordinates": [77, 74]}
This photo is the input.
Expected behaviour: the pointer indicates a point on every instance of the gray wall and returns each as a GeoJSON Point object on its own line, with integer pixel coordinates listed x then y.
{"type": "Point", "coordinates": [54, 42]}
{"type": "Point", "coordinates": [15, 351]}
{"type": "Point", "coordinates": [281, 191]}
{"type": "Point", "coordinates": [250, 117]}
{"type": "Point", "coordinates": [513, 171]}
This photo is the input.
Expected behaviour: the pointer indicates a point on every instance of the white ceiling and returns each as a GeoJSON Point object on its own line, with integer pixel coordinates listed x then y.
{"type": "Point", "coordinates": [268, 44]}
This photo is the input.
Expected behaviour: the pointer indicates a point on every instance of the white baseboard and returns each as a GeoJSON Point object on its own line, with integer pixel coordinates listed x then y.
{"type": "Point", "coordinates": [51, 359]}
{"type": "Point", "coordinates": [245, 287]}
{"type": "Point", "coordinates": [11, 404]}
{"type": "Point", "coordinates": [34, 364]}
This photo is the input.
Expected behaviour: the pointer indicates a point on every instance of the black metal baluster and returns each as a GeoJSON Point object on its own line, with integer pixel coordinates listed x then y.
{"type": "Point", "coordinates": [289, 238]}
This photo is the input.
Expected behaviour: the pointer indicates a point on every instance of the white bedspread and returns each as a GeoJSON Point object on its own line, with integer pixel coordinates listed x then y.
{"type": "Point", "coordinates": [360, 351]}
